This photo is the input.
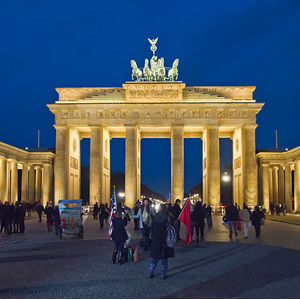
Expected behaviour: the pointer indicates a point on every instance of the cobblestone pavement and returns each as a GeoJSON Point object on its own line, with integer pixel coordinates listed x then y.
{"type": "Point", "coordinates": [39, 265]}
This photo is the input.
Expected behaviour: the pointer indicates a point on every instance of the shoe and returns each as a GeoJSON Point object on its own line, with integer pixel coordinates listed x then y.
{"type": "Point", "coordinates": [179, 239]}
{"type": "Point", "coordinates": [164, 276]}
{"type": "Point", "coordinates": [245, 237]}
{"type": "Point", "coordinates": [151, 275]}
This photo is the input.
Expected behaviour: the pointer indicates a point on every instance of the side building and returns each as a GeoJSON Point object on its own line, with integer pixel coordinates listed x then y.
{"type": "Point", "coordinates": [26, 175]}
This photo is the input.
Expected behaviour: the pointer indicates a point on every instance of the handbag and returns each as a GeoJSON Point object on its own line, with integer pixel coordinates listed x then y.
{"type": "Point", "coordinates": [238, 225]}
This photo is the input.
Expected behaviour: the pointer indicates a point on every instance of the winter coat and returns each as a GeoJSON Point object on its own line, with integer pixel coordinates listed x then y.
{"type": "Point", "coordinates": [244, 215]}
{"type": "Point", "coordinates": [119, 232]}
{"type": "Point", "coordinates": [256, 217]}
{"type": "Point", "coordinates": [140, 216]}
{"type": "Point", "coordinates": [232, 213]}
{"type": "Point", "coordinates": [197, 217]}
{"type": "Point", "coordinates": [158, 229]}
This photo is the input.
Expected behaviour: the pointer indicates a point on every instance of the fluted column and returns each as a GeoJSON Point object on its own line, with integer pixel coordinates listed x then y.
{"type": "Point", "coordinates": [177, 163]}
{"type": "Point", "coordinates": [297, 185]}
{"type": "Point", "coordinates": [211, 164]}
{"type": "Point", "coordinates": [271, 185]}
{"type": "Point", "coordinates": [24, 188]}
{"type": "Point", "coordinates": [275, 185]}
{"type": "Point", "coordinates": [61, 180]}
{"type": "Point", "coordinates": [3, 179]}
{"type": "Point", "coordinates": [288, 188]}
{"type": "Point", "coordinates": [31, 184]}
{"type": "Point", "coordinates": [265, 185]}
{"type": "Point", "coordinates": [131, 166]}
{"type": "Point", "coordinates": [95, 165]}
{"type": "Point", "coordinates": [281, 184]}
{"type": "Point", "coordinates": [14, 181]}
{"type": "Point", "coordinates": [38, 183]}
{"type": "Point", "coordinates": [249, 165]}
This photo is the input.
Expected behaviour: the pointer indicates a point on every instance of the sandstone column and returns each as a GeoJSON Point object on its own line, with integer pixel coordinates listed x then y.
{"type": "Point", "coordinates": [38, 183]}
{"type": "Point", "coordinates": [14, 181]}
{"type": "Point", "coordinates": [31, 184]}
{"type": "Point", "coordinates": [177, 163]}
{"type": "Point", "coordinates": [275, 185]}
{"type": "Point", "coordinates": [3, 179]}
{"type": "Point", "coordinates": [249, 165]}
{"type": "Point", "coordinates": [131, 166]}
{"type": "Point", "coordinates": [211, 164]}
{"type": "Point", "coordinates": [24, 188]}
{"type": "Point", "coordinates": [95, 165]}
{"type": "Point", "coordinates": [61, 160]}
{"type": "Point", "coordinates": [297, 185]}
{"type": "Point", "coordinates": [288, 188]}
{"type": "Point", "coordinates": [265, 185]}
{"type": "Point", "coordinates": [271, 185]}
{"type": "Point", "coordinates": [281, 184]}
{"type": "Point", "coordinates": [47, 174]}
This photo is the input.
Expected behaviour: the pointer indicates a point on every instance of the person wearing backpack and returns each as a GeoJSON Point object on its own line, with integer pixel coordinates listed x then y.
{"type": "Point", "coordinates": [160, 249]}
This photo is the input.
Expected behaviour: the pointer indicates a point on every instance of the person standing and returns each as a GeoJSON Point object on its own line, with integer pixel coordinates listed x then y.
{"type": "Point", "coordinates": [17, 218]}
{"type": "Point", "coordinates": [40, 209]}
{"type": "Point", "coordinates": [49, 213]}
{"type": "Point", "coordinates": [244, 216]}
{"type": "Point", "coordinates": [101, 215]}
{"type": "Point", "coordinates": [197, 222]}
{"type": "Point", "coordinates": [159, 250]}
{"type": "Point", "coordinates": [232, 216]}
{"type": "Point", "coordinates": [119, 236]}
{"type": "Point", "coordinates": [22, 212]}
{"type": "Point", "coordinates": [145, 214]}
{"type": "Point", "coordinates": [95, 212]}
{"type": "Point", "coordinates": [56, 219]}
{"type": "Point", "coordinates": [256, 217]}
{"type": "Point", "coordinates": [174, 214]}
{"type": "Point", "coordinates": [136, 220]}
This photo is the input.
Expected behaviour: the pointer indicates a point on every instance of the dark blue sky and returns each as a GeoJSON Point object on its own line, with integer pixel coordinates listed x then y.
{"type": "Point", "coordinates": [49, 44]}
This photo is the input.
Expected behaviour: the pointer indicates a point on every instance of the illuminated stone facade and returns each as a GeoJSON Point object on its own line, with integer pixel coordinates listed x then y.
{"type": "Point", "coordinates": [275, 178]}
{"type": "Point", "coordinates": [36, 179]}
{"type": "Point", "coordinates": [155, 110]}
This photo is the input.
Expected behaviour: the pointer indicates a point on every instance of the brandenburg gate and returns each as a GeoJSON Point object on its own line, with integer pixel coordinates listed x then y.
{"type": "Point", "coordinates": [155, 106]}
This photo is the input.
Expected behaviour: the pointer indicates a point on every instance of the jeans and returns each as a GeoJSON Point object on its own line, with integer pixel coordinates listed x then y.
{"type": "Point", "coordinates": [232, 224]}
{"type": "Point", "coordinates": [164, 265]}
{"type": "Point", "coordinates": [245, 228]}
{"type": "Point", "coordinates": [145, 231]}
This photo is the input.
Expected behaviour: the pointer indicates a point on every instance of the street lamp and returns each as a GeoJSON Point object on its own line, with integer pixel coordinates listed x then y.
{"type": "Point", "coordinates": [226, 177]}
{"type": "Point", "coordinates": [122, 195]}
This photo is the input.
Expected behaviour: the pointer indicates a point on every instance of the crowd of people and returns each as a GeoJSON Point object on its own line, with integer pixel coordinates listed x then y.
{"type": "Point", "coordinates": [278, 208]}
{"type": "Point", "coordinates": [244, 217]}
{"type": "Point", "coordinates": [12, 217]}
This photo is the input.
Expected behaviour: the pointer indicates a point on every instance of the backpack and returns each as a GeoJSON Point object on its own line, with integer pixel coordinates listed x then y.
{"type": "Point", "coordinates": [170, 236]}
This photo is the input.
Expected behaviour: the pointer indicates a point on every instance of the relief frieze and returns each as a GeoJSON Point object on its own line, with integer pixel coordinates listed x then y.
{"type": "Point", "coordinates": [74, 163]}
{"type": "Point", "coordinates": [153, 94]}
{"type": "Point", "coordinates": [106, 163]}
{"type": "Point", "coordinates": [238, 162]}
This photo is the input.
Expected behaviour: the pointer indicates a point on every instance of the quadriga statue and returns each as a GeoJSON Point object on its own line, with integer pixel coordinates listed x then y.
{"type": "Point", "coordinates": [173, 72]}
{"type": "Point", "coordinates": [147, 71]}
{"type": "Point", "coordinates": [136, 71]}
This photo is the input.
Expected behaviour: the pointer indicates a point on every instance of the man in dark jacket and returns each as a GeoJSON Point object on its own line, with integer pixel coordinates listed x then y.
{"type": "Point", "coordinates": [40, 209]}
{"type": "Point", "coordinates": [159, 250]}
{"type": "Point", "coordinates": [232, 215]}
{"type": "Point", "coordinates": [174, 214]}
{"type": "Point", "coordinates": [22, 217]}
{"type": "Point", "coordinates": [256, 217]}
